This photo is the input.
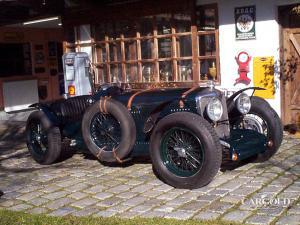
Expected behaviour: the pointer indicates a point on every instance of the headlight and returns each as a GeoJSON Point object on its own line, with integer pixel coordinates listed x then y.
{"type": "Point", "coordinates": [243, 103]}
{"type": "Point", "coordinates": [214, 109]}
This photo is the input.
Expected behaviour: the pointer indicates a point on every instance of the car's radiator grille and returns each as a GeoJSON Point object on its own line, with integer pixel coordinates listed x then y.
{"type": "Point", "coordinates": [223, 128]}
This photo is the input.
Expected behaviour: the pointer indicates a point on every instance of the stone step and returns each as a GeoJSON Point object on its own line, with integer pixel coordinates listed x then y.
{"type": "Point", "coordinates": [15, 116]}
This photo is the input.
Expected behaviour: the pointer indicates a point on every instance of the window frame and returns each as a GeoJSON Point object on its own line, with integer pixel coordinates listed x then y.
{"type": "Point", "coordinates": [195, 58]}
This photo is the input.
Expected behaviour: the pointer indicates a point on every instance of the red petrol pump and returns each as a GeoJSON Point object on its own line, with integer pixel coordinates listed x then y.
{"type": "Point", "coordinates": [77, 77]}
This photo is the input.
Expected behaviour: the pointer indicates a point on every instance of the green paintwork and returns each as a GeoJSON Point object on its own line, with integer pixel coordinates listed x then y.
{"type": "Point", "coordinates": [162, 102]}
{"type": "Point", "coordinates": [246, 142]}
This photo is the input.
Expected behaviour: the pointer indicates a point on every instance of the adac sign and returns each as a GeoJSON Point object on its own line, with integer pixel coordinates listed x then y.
{"type": "Point", "coordinates": [245, 22]}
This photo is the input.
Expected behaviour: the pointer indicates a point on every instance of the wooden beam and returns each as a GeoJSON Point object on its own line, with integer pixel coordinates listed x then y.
{"type": "Point", "coordinates": [295, 43]}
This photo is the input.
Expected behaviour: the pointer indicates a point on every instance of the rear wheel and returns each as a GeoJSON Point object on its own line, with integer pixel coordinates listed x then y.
{"type": "Point", "coordinates": [185, 150]}
{"type": "Point", "coordinates": [43, 139]}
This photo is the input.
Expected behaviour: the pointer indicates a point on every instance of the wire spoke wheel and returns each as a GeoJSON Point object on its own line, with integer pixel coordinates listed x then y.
{"type": "Point", "coordinates": [185, 150]}
{"type": "Point", "coordinates": [254, 122]}
{"type": "Point", "coordinates": [38, 138]}
{"type": "Point", "coordinates": [109, 136]}
{"type": "Point", "coordinates": [105, 131]}
{"type": "Point", "coordinates": [182, 152]}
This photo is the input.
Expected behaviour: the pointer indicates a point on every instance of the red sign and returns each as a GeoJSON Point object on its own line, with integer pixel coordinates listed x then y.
{"type": "Point", "coordinates": [243, 60]}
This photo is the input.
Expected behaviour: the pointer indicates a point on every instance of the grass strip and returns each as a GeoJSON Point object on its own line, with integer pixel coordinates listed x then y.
{"type": "Point", "coordinates": [21, 218]}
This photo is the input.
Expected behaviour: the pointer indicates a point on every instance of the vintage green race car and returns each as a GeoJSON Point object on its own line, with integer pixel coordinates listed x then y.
{"type": "Point", "coordinates": [188, 132]}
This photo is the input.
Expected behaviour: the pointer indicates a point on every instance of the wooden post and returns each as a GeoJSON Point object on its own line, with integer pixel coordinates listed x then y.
{"type": "Point", "coordinates": [100, 59]}
{"type": "Point", "coordinates": [139, 57]}
{"type": "Point", "coordinates": [174, 55]}
{"type": "Point", "coordinates": [107, 59]}
{"type": "Point", "coordinates": [218, 58]}
{"type": "Point", "coordinates": [123, 59]}
{"type": "Point", "coordinates": [196, 71]}
{"type": "Point", "coordinates": [155, 54]}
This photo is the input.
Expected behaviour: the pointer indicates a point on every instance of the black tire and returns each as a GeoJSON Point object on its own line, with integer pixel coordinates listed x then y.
{"type": "Point", "coordinates": [210, 145]}
{"type": "Point", "coordinates": [114, 152]}
{"type": "Point", "coordinates": [274, 132]}
{"type": "Point", "coordinates": [48, 149]}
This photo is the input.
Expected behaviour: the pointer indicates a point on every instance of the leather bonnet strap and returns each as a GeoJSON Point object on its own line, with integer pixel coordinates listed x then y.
{"type": "Point", "coordinates": [136, 94]}
{"type": "Point", "coordinates": [184, 94]}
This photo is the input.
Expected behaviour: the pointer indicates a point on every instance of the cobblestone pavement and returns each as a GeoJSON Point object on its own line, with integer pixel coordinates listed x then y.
{"type": "Point", "coordinates": [266, 193]}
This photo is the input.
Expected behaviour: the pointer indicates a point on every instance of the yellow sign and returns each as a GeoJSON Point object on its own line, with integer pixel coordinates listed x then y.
{"type": "Point", "coordinates": [263, 76]}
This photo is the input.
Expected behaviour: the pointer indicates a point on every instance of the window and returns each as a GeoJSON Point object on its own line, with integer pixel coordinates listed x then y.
{"type": "Point", "coordinates": [159, 48]}
{"type": "Point", "coordinates": [15, 59]}
{"type": "Point", "coordinates": [207, 25]}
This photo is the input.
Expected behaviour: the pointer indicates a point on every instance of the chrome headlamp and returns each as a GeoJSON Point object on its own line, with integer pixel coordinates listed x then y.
{"type": "Point", "coordinates": [214, 109]}
{"type": "Point", "coordinates": [243, 103]}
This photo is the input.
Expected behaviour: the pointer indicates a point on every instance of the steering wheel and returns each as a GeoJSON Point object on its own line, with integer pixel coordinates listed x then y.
{"type": "Point", "coordinates": [111, 88]}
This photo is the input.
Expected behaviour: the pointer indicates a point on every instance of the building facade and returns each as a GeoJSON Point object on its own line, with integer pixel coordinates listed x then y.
{"type": "Point", "coordinates": [183, 43]}
{"type": "Point", "coordinates": [172, 43]}
{"type": "Point", "coordinates": [30, 66]}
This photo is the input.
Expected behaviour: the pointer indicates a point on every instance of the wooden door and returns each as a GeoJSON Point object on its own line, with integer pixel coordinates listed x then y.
{"type": "Point", "coordinates": [291, 76]}
{"type": "Point", "coordinates": [290, 68]}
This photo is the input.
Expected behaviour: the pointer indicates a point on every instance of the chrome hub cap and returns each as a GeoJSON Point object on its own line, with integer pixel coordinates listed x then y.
{"type": "Point", "coordinates": [181, 152]}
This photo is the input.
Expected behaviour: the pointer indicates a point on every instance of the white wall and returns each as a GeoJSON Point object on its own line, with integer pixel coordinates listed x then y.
{"type": "Point", "coordinates": [266, 43]}
{"type": "Point", "coordinates": [18, 95]}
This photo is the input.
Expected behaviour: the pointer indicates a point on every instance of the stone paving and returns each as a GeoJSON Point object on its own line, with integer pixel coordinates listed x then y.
{"type": "Point", "coordinates": [267, 193]}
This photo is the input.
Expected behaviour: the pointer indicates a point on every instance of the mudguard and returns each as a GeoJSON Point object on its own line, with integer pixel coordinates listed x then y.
{"type": "Point", "coordinates": [48, 112]}
{"type": "Point", "coordinates": [230, 100]}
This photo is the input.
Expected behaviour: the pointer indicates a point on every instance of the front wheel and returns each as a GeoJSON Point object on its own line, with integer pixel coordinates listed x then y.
{"type": "Point", "coordinates": [185, 150]}
{"type": "Point", "coordinates": [263, 119]}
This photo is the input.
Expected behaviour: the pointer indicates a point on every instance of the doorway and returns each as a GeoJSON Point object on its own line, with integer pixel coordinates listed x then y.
{"type": "Point", "coordinates": [289, 19]}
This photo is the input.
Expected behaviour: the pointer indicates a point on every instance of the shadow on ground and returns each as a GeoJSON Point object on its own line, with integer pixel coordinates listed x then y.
{"type": "Point", "coordinates": [12, 136]}
{"type": "Point", "coordinates": [12, 147]}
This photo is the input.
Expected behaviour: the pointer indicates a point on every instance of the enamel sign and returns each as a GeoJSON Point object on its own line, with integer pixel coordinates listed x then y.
{"type": "Point", "coordinates": [245, 22]}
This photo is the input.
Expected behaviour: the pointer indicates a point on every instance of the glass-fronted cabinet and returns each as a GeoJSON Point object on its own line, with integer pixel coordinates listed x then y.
{"type": "Point", "coordinates": [159, 48]}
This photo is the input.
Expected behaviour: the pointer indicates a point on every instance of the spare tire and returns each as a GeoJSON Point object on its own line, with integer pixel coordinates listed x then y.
{"type": "Point", "coordinates": [108, 130]}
